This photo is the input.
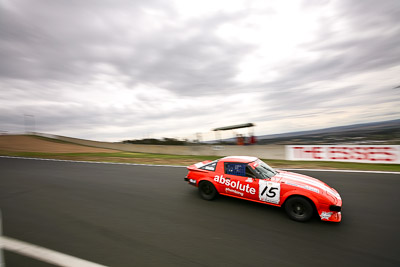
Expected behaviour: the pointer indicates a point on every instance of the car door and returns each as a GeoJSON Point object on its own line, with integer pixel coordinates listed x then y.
{"type": "Point", "coordinates": [268, 188]}
{"type": "Point", "coordinates": [237, 181]}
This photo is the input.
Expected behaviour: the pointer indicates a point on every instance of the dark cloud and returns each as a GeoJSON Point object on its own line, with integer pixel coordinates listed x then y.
{"type": "Point", "coordinates": [59, 56]}
{"type": "Point", "coordinates": [368, 42]}
{"type": "Point", "coordinates": [49, 40]}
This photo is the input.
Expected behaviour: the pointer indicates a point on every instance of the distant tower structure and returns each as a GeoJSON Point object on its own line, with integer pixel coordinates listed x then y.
{"type": "Point", "coordinates": [240, 138]}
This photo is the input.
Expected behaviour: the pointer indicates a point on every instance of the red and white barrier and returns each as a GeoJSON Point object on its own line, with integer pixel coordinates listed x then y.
{"type": "Point", "coordinates": [345, 153]}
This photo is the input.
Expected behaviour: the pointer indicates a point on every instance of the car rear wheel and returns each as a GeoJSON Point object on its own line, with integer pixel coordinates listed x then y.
{"type": "Point", "coordinates": [299, 209]}
{"type": "Point", "coordinates": [207, 190]}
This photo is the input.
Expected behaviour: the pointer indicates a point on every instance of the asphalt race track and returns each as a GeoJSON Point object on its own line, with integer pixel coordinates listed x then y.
{"type": "Point", "coordinates": [124, 215]}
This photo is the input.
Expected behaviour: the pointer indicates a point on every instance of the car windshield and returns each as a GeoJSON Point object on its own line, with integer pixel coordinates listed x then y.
{"type": "Point", "coordinates": [264, 170]}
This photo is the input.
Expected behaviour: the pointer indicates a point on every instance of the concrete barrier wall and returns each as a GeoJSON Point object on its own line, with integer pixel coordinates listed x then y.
{"type": "Point", "coordinates": [260, 151]}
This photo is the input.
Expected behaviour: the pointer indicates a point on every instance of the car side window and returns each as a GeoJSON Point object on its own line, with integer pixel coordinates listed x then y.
{"type": "Point", "coordinates": [210, 166]}
{"type": "Point", "coordinates": [238, 169]}
{"type": "Point", "coordinates": [249, 173]}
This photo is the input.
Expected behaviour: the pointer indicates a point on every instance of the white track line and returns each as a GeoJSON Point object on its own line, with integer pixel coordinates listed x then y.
{"type": "Point", "coordinates": [178, 166]}
{"type": "Point", "coordinates": [321, 170]}
{"type": "Point", "coordinates": [95, 162]}
{"type": "Point", "coordinates": [44, 254]}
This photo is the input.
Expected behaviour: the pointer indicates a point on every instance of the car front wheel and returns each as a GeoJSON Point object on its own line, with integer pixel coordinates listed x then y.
{"type": "Point", "coordinates": [207, 190]}
{"type": "Point", "coordinates": [299, 209]}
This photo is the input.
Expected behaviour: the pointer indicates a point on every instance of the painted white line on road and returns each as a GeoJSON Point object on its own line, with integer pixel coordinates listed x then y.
{"type": "Point", "coordinates": [178, 166]}
{"type": "Point", "coordinates": [95, 162]}
{"type": "Point", "coordinates": [44, 254]}
{"type": "Point", "coordinates": [321, 170]}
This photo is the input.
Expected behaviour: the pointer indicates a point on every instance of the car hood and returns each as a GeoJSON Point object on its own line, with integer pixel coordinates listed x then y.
{"type": "Point", "coordinates": [306, 182]}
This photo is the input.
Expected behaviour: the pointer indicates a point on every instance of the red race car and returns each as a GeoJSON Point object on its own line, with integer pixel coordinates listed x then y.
{"type": "Point", "coordinates": [251, 179]}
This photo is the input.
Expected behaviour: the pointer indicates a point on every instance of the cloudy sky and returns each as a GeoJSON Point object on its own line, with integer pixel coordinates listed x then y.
{"type": "Point", "coordinates": [116, 70]}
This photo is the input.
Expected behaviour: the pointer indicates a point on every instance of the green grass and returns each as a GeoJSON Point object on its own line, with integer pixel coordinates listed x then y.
{"type": "Point", "coordinates": [185, 160]}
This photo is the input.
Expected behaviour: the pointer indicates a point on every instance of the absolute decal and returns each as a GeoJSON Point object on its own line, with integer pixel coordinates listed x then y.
{"type": "Point", "coordinates": [235, 184]}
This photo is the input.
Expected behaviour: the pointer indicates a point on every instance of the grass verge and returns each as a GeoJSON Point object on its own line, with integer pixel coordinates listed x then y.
{"type": "Point", "coordinates": [164, 159]}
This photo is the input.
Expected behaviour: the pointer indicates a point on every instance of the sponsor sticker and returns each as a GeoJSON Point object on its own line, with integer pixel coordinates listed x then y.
{"type": "Point", "coordinates": [249, 180]}
{"type": "Point", "coordinates": [233, 191]}
{"type": "Point", "coordinates": [325, 215]}
{"type": "Point", "coordinates": [235, 185]}
{"type": "Point", "coordinates": [350, 153]}
{"type": "Point", "coordinates": [269, 191]}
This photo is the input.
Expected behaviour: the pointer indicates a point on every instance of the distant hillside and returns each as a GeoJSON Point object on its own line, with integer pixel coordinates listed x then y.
{"type": "Point", "coordinates": [387, 132]}
{"type": "Point", "coordinates": [31, 143]}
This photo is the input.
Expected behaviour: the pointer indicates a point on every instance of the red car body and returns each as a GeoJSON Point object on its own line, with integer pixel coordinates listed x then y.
{"type": "Point", "coordinates": [251, 179]}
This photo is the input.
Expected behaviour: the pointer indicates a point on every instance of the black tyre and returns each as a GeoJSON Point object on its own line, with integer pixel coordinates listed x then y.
{"type": "Point", "coordinates": [207, 190]}
{"type": "Point", "coordinates": [299, 209]}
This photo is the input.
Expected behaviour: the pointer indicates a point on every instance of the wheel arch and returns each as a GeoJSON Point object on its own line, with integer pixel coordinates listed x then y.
{"type": "Point", "coordinates": [205, 179]}
{"type": "Point", "coordinates": [207, 190]}
{"type": "Point", "coordinates": [294, 193]}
